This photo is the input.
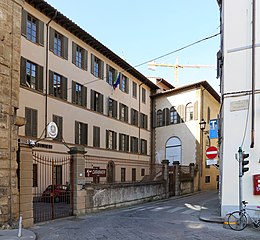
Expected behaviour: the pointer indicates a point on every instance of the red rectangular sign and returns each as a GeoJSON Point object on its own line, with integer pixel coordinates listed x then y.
{"type": "Point", "coordinates": [90, 172]}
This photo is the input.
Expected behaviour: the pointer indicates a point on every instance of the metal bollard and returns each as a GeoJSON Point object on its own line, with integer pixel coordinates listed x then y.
{"type": "Point", "coordinates": [20, 227]}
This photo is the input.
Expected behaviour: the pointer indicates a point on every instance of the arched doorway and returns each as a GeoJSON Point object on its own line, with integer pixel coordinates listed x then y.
{"type": "Point", "coordinates": [173, 150]}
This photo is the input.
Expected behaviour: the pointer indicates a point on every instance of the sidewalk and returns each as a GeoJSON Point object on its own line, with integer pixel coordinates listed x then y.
{"type": "Point", "coordinates": [12, 235]}
{"type": "Point", "coordinates": [210, 211]}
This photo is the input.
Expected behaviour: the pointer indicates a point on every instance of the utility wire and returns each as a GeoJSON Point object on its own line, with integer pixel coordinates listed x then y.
{"type": "Point", "coordinates": [162, 56]}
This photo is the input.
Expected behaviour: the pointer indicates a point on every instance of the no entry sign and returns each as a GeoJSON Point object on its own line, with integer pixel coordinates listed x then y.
{"type": "Point", "coordinates": [211, 152]}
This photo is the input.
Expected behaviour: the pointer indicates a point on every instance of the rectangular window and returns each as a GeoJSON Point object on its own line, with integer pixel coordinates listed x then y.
{"type": "Point", "coordinates": [31, 75]}
{"type": "Point", "coordinates": [58, 85]}
{"type": "Point", "coordinates": [58, 44]}
{"type": "Point", "coordinates": [123, 142]}
{"type": "Point", "coordinates": [96, 136]}
{"type": "Point", "coordinates": [134, 90]}
{"type": "Point", "coordinates": [123, 111]}
{"type": "Point", "coordinates": [35, 175]}
{"type": "Point", "coordinates": [122, 174]}
{"type": "Point", "coordinates": [143, 95]}
{"type": "Point", "coordinates": [173, 116]}
{"type": "Point", "coordinates": [32, 28]}
{"type": "Point", "coordinates": [207, 179]}
{"type": "Point", "coordinates": [96, 101]}
{"type": "Point", "coordinates": [58, 174]}
{"type": "Point", "coordinates": [111, 75]}
{"type": "Point", "coordinates": [79, 56]}
{"type": "Point", "coordinates": [112, 108]}
{"type": "Point", "coordinates": [124, 84]}
{"type": "Point", "coordinates": [142, 172]}
{"type": "Point", "coordinates": [81, 133]}
{"type": "Point", "coordinates": [97, 67]}
{"type": "Point", "coordinates": [133, 174]}
{"type": "Point", "coordinates": [31, 122]}
{"type": "Point", "coordinates": [134, 117]}
{"type": "Point", "coordinates": [143, 121]}
{"type": "Point", "coordinates": [79, 94]}
{"type": "Point", "coordinates": [143, 146]}
{"type": "Point", "coordinates": [59, 122]}
{"type": "Point", "coordinates": [134, 145]}
{"type": "Point", "coordinates": [111, 140]}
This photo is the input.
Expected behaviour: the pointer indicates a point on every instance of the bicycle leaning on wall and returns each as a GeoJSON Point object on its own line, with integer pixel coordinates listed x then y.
{"type": "Point", "coordinates": [238, 220]}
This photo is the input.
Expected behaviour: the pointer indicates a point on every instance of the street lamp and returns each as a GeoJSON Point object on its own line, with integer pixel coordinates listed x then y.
{"type": "Point", "coordinates": [202, 124]}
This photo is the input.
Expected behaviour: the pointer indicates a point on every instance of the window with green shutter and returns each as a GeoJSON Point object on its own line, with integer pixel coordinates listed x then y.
{"type": "Point", "coordinates": [96, 136]}
{"type": "Point", "coordinates": [81, 133]}
{"type": "Point", "coordinates": [31, 122]}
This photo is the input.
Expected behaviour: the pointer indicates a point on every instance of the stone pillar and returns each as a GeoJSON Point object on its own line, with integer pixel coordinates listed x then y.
{"type": "Point", "coordinates": [176, 169]}
{"type": "Point", "coordinates": [26, 184]}
{"type": "Point", "coordinates": [165, 173]}
{"type": "Point", "coordinates": [89, 199]}
{"type": "Point", "coordinates": [10, 45]}
{"type": "Point", "coordinates": [192, 169]}
{"type": "Point", "coordinates": [77, 179]}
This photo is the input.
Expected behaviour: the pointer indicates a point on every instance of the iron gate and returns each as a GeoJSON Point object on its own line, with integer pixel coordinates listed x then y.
{"type": "Point", "coordinates": [52, 192]}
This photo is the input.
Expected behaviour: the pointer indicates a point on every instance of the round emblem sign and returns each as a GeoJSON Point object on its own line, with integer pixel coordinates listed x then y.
{"type": "Point", "coordinates": [212, 152]}
{"type": "Point", "coordinates": [52, 130]}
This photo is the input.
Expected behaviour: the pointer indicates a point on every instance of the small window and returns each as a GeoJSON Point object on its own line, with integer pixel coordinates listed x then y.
{"type": "Point", "coordinates": [159, 118]}
{"type": "Point", "coordinates": [123, 174]}
{"type": "Point", "coordinates": [173, 116]}
{"type": "Point", "coordinates": [123, 110]}
{"type": "Point", "coordinates": [79, 56]}
{"type": "Point", "coordinates": [189, 112]}
{"type": "Point", "coordinates": [134, 117]}
{"type": "Point", "coordinates": [58, 44]}
{"type": "Point", "coordinates": [58, 85]}
{"type": "Point", "coordinates": [97, 67]}
{"type": "Point", "coordinates": [31, 75]}
{"type": "Point", "coordinates": [96, 101]}
{"type": "Point", "coordinates": [143, 146]}
{"type": "Point", "coordinates": [123, 142]}
{"type": "Point", "coordinates": [143, 121]}
{"type": "Point", "coordinates": [142, 172]}
{"type": "Point", "coordinates": [133, 174]}
{"type": "Point", "coordinates": [79, 94]}
{"type": "Point", "coordinates": [31, 122]}
{"type": "Point", "coordinates": [59, 122]}
{"type": "Point", "coordinates": [134, 145]}
{"type": "Point", "coordinates": [81, 133]}
{"type": "Point", "coordinates": [112, 108]}
{"type": "Point", "coordinates": [207, 179]}
{"type": "Point", "coordinates": [124, 84]}
{"type": "Point", "coordinates": [134, 90]}
{"type": "Point", "coordinates": [111, 75]}
{"type": "Point", "coordinates": [111, 141]}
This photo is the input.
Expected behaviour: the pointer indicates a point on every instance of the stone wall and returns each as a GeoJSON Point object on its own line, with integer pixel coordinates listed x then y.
{"type": "Point", "coordinates": [122, 194]}
{"type": "Point", "coordinates": [10, 43]}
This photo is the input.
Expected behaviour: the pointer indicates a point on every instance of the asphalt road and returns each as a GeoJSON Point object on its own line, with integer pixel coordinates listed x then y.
{"type": "Point", "coordinates": [174, 218]}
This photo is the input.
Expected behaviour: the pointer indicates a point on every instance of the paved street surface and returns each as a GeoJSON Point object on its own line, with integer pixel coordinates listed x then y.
{"type": "Point", "coordinates": [174, 218]}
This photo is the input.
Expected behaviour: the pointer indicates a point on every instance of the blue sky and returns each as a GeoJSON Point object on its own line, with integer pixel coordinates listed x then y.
{"type": "Point", "coordinates": [141, 30]}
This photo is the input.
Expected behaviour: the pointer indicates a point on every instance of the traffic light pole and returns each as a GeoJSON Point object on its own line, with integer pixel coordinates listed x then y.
{"type": "Point", "coordinates": [240, 157]}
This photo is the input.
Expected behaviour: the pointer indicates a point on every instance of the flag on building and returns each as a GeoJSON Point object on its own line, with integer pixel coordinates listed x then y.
{"type": "Point", "coordinates": [116, 80]}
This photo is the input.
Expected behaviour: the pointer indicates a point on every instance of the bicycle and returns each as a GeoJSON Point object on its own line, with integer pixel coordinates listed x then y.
{"type": "Point", "coordinates": [238, 220]}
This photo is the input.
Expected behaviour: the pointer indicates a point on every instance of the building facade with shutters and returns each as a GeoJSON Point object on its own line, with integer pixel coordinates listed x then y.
{"type": "Point", "coordinates": [178, 137]}
{"type": "Point", "coordinates": [67, 77]}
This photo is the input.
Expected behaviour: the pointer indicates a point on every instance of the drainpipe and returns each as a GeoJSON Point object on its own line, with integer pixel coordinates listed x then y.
{"type": "Point", "coordinates": [139, 110]}
{"type": "Point", "coordinates": [46, 72]}
{"type": "Point", "coordinates": [253, 75]}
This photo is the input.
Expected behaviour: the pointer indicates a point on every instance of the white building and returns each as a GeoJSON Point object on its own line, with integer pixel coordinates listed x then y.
{"type": "Point", "coordinates": [240, 107]}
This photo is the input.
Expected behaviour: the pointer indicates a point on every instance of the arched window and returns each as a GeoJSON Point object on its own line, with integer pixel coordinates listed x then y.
{"type": "Point", "coordinates": [159, 118]}
{"type": "Point", "coordinates": [189, 112]}
{"type": "Point", "coordinates": [173, 116]}
{"type": "Point", "coordinates": [173, 150]}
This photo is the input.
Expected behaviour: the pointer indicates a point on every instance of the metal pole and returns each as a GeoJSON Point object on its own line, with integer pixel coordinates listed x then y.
{"type": "Point", "coordinates": [240, 152]}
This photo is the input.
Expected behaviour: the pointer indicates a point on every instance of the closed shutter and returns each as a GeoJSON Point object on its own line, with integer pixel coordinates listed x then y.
{"type": "Point", "coordinates": [107, 138]}
{"type": "Point", "coordinates": [50, 82]}
{"type": "Point", "coordinates": [73, 99]}
{"type": "Point", "coordinates": [101, 103]}
{"type": "Point", "coordinates": [64, 88]}
{"type": "Point", "coordinates": [120, 141]}
{"type": "Point", "coordinates": [167, 116]}
{"type": "Point", "coordinates": [24, 22]}
{"type": "Point", "coordinates": [114, 111]}
{"type": "Point", "coordinates": [76, 132]}
{"type": "Point", "coordinates": [85, 133]}
{"type": "Point", "coordinates": [65, 47]}
{"type": "Point", "coordinates": [114, 140]}
{"type": "Point", "coordinates": [145, 121]}
{"type": "Point", "coordinates": [84, 96]}
{"type": "Point", "coordinates": [180, 110]}
{"type": "Point", "coordinates": [107, 72]}
{"type": "Point", "coordinates": [127, 85]}
{"type": "Point", "coordinates": [127, 143]}
{"type": "Point", "coordinates": [34, 123]}
{"type": "Point", "coordinates": [85, 59]}
{"type": "Point", "coordinates": [126, 114]}
{"type": "Point", "coordinates": [51, 40]}
{"type": "Point", "coordinates": [23, 71]}
{"type": "Point", "coordinates": [74, 46]}
{"type": "Point", "coordinates": [28, 117]}
{"type": "Point", "coordinates": [132, 116]}
{"type": "Point", "coordinates": [40, 78]}
{"type": "Point", "coordinates": [120, 111]}
{"type": "Point", "coordinates": [101, 72]}
{"type": "Point", "coordinates": [40, 32]}
{"type": "Point", "coordinates": [196, 110]}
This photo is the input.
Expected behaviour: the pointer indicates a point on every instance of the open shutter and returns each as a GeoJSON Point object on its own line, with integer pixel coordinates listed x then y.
{"type": "Point", "coordinates": [126, 114]}
{"type": "Point", "coordinates": [64, 88]}
{"type": "Point", "coordinates": [120, 141]}
{"type": "Point", "coordinates": [114, 111]}
{"type": "Point", "coordinates": [114, 140]}
{"type": "Point", "coordinates": [74, 47]}
{"type": "Point", "coordinates": [50, 82]}
{"type": "Point", "coordinates": [85, 59]}
{"type": "Point", "coordinates": [23, 71]}
{"type": "Point", "coordinates": [39, 78]}
{"type": "Point", "coordinates": [24, 22]}
{"type": "Point", "coordinates": [40, 32]}
{"type": "Point", "coordinates": [84, 96]}
{"type": "Point", "coordinates": [127, 143]}
{"type": "Point", "coordinates": [107, 72]}
{"type": "Point", "coordinates": [101, 103]}
{"type": "Point", "coordinates": [92, 103]}
{"type": "Point", "coordinates": [167, 116]}
{"type": "Point", "coordinates": [51, 39]}
{"type": "Point", "coordinates": [120, 111]}
{"type": "Point", "coordinates": [107, 138]}
{"type": "Point", "coordinates": [73, 99]}
{"type": "Point", "coordinates": [65, 47]}
{"type": "Point", "coordinates": [92, 63]}
{"type": "Point", "coordinates": [85, 133]}
{"type": "Point", "coordinates": [127, 85]}
{"type": "Point", "coordinates": [76, 132]}
{"type": "Point", "coordinates": [101, 72]}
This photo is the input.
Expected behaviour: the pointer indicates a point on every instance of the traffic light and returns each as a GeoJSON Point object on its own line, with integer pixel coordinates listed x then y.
{"type": "Point", "coordinates": [245, 162]}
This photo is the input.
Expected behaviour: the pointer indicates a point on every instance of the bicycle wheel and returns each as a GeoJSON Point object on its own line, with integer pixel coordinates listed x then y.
{"type": "Point", "coordinates": [237, 220]}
